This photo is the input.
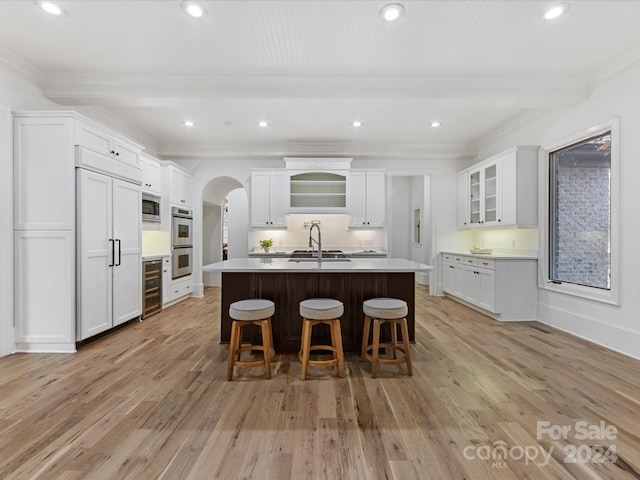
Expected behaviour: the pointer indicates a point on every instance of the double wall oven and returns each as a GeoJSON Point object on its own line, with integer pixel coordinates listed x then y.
{"type": "Point", "coordinates": [181, 242]}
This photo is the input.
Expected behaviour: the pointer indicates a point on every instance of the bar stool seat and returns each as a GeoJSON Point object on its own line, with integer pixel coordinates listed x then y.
{"type": "Point", "coordinates": [381, 311]}
{"type": "Point", "coordinates": [251, 312]}
{"type": "Point", "coordinates": [316, 311]}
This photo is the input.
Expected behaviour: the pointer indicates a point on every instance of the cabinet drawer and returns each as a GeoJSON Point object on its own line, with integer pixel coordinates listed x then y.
{"type": "Point", "coordinates": [446, 257]}
{"type": "Point", "coordinates": [180, 289]}
{"type": "Point", "coordinates": [470, 261]}
{"type": "Point", "coordinates": [486, 263]}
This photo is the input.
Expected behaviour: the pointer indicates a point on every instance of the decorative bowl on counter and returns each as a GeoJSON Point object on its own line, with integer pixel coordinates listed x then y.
{"type": "Point", "coordinates": [481, 251]}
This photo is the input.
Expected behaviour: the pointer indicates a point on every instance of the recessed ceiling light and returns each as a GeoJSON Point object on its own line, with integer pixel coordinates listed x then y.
{"type": "Point", "coordinates": [189, 123]}
{"type": "Point", "coordinates": [262, 123]}
{"type": "Point", "coordinates": [435, 124]}
{"type": "Point", "coordinates": [357, 124]}
{"type": "Point", "coordinates": [51, 8]}
{"type": "Point", "coordinates": [193, 8]}
{"type": "Point", "coordinates": [391, 12]}
{"type": "Point", "coordinates": [556, 11]}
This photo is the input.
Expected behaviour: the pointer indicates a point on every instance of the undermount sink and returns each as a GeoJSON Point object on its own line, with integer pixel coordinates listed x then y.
{"type": "Point", "coordinates": [298, 260]}
{"type": "Point", "coordinates": [326, 254]}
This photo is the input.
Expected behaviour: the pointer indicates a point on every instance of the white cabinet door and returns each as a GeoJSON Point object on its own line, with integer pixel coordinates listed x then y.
{"type": "Point", "coordinates": [127, 270]}
{"type": "Point", "coordinates": [44, 179]}
{"type": "Point", "coordinates": [179, 187]}
{"type": "Point", "coordinates": [126, 153]}
{"type": "Point", "coordinates": [269, 199]}
{"type": "Point", "coordinates": [486, 289]}
{"type": "Point", "coordinates": [376, 200]}
{"type": "Point", "coordinates": [260, 192]}
{"type": "Point", "coordinates": [96, 251]}
{"type": "Point", "coordinates": [463, 200]}
{"type": "Point", "coordinates": [278, 198]}
{"type": "Point", "coordinates": [187, 181]}
{"type": "Point", "coordinates": [357, 199]}
{"type": "Point", "coordinates": [45, 290]}
{"type": "Point", "coordinates": [152, 174]}
{"type": "Point", "coordinates": [366, 200]}
{"type": "Point", "coordinates": [166, 279]}
{"type": "Point", "coordinates": [508, 190]}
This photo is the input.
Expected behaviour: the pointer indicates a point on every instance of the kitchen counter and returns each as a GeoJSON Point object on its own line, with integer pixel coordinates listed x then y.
{"type": "Point", "coordinates": [348, 254]}
{"type": "Point", "coordinates": [287, 283]}
{"type": "Point", "coordinates": [311, 265]}
{"type": "Point", "coordinates": [501, 255]}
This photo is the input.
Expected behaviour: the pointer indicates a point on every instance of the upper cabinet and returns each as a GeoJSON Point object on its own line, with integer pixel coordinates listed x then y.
{"type": "Point", "coordinates": [180, 186]}
{"type": "Point", "coordinates": [103, 142]}
{"type": "Point", "coordinates": [501, 191]}
{"type": "Point", "coordinates": [269, 198]}
{"type": "Point", "coordinates": [366, 199]}
{"type": "Point", "coordinates": [152, 170]}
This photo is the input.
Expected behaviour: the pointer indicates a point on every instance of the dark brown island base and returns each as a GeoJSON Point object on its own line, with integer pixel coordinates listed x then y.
{"type": "Point", "coordinates": [287, 287]}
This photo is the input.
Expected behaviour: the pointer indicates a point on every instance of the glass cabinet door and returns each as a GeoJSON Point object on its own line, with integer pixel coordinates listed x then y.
{"type": "Point", "coordinates": [474, 197]}
{"type": "Point", "coordinates": [490, 203]}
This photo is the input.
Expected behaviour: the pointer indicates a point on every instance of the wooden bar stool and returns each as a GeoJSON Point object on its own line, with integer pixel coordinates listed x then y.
{"type": "Point", "coordinates": [381, 311]}
{"type": "Point", "coordinates": [316, 311]}
{"type": "Point", "coordinates": [251, 312]}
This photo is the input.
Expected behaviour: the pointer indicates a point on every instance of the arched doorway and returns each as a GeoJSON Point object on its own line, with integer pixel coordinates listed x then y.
{"type": "Point", "coordinates": [220, 227]}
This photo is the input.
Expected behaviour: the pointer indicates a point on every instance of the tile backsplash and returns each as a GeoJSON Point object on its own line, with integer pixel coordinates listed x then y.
{"type": "Point", "coordinates": [335, 234]}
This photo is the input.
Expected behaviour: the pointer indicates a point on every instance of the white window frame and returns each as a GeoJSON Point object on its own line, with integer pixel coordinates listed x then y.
{"type": "Point", "coordinates": [611, 296]}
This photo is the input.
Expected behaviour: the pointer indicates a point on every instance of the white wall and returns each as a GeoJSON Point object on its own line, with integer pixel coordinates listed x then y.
{"type": "Point", "coordinates": [211, 240]}
{"type": "Point", "coordinates": [238, 223]}
{"type": "Point", "coordinates": [7, 337]}
{"type": "Point", "coordinates": [400, 217]}
{"type": "Point", "coordinates": [616, 327]}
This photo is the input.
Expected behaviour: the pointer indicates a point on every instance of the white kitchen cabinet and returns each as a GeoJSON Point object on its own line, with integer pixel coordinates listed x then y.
{"type": "Point", "coordinates": [152, 174]}
{"type": "Point", "coordinates": [501, 191]}
{"type": "Point", "coordinates": [44, 185]}
{"type": "Point", "coordinates": [166, 279]}
{"type": "Point", "coordinates": [109, 253]}
{"type": "Point", "coordinates": [44, 291]}
{"type": "Point", "coordinates": [48, 146]}
{"type": "Point", "coordinates": [179, 288]}
{"type": "Point", "coordinates": [504, 288]}
{"type": "Point", "coordinates": [269, 199]}
{"type": "Point", "coordinates": [108, 144]}
{"type": "Point", "coordinates": [366, 199]}
{"type": "Point", "coordinates": [180, 182]}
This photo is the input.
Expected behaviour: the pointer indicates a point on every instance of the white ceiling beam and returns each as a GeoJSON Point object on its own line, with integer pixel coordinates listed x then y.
{"type": "Point", "coordinates": [171, 90]}
{"type": "Point", "coordinates": [362, 151]}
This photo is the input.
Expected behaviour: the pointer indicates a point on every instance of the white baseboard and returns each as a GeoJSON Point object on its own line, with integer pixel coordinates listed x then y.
{"type": "Point", "coordinates": [45, 347]}
{"type": "Point", "coordinates": [614, 337]}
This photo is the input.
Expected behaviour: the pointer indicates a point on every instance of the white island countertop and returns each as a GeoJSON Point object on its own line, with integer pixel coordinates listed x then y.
{"type": "Point", "coordinates": [353, 265]}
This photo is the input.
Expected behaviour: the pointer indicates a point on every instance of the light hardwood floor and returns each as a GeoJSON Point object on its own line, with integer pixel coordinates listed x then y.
{"type": "Point", "coordinates": [151, 401]}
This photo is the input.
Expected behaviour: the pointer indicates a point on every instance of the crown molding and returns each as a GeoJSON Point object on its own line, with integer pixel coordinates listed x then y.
{"type": "Point", "coordinates": [22, 68]}
{"type": "Point", "coordinates": [602, 75]}
{"type": "Point", "coordinates": [270, 151]}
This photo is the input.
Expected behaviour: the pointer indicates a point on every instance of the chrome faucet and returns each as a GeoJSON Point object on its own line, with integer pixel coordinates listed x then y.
{"type": "Point", "coordinates": [319, 241]}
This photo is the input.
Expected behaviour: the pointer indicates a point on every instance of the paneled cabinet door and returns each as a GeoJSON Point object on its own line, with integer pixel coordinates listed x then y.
{"type": "Point", "coordinates": [366, 201]}
{"type": "Point", "coordinates": [96, 251]}
{"type": "Point", "coordinates": [127, 272]}
{"type": "Point", "coordinates": [179, 187]}
{"type": "Point", "coordinates": [152, 175]}
{"type": "Point", "coordinates": [269, 199]}
{"type": "Point", "coordinates": [463, 200]}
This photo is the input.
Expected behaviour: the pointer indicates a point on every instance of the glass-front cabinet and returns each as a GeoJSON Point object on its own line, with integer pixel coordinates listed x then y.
{"type": "Point", "coordinates": [502, 191]}
{"type": "Point", "coordinates": [483, 201]}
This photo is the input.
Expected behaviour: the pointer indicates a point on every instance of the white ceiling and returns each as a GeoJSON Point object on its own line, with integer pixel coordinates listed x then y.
{"type": "Point", "coordinates": [312, 67]}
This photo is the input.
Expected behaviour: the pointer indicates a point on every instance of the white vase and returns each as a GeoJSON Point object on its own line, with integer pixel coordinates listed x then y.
{"type": "Point", "coordinates": [266, 249]}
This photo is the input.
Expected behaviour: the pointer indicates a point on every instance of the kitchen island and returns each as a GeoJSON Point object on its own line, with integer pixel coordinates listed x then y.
{"type": "Point", "coordinates": [289, 281]}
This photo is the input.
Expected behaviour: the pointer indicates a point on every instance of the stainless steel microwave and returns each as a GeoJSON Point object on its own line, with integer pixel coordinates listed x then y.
{"type": "Point", "coordinates": [150, 207]}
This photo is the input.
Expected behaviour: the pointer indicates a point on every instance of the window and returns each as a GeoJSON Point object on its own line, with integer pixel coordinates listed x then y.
{"type": "Point", "coordinates": [581, 253]}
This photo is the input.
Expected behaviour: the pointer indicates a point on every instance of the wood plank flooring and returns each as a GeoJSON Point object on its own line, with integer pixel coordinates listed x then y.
{"type": "Point", "coordinates": [150, 401]}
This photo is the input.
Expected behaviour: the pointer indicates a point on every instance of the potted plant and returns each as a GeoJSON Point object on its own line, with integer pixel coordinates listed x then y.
{"type": "Point", "coordinates": [266, 244]}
